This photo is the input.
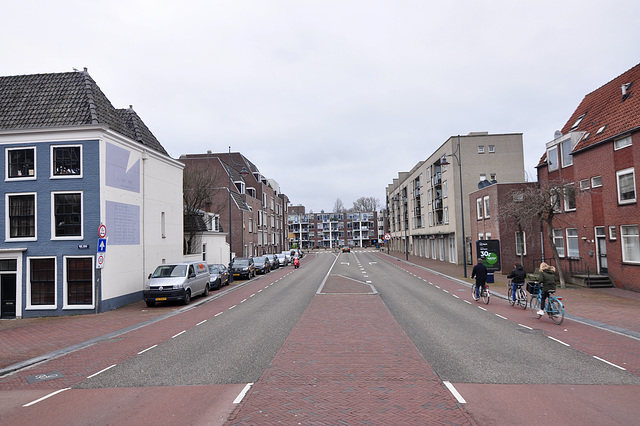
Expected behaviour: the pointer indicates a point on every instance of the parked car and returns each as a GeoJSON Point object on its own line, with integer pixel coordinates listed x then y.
{"type": "Point", "coordinates": [262, 264]}
{"type": "Point", "coordinates": [243, 267]}
{"type": "Point", "coordinates": [273, 260]}
{"type": "Point", "coordinates": [282, 259]}
{"type": "Point", "coordinates": [218, 276]}
{"type": "Point", "coordinates": [177, 282]}
{"type": "Point", "coordinates": [288, 255]}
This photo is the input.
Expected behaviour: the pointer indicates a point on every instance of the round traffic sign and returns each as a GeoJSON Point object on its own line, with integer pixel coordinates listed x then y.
{"type": "Point", "coordinates": [102, 231]}
{"type": "Point", "coordinates": [100, 261]}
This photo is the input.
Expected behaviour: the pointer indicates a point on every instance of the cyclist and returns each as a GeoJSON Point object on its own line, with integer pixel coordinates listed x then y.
{"type": "Point", "coordinates": [517, 278]}
{"type": "Point", "coordinates": [547, 278]}
{"type": "Point", "coordinates": [479, 272]}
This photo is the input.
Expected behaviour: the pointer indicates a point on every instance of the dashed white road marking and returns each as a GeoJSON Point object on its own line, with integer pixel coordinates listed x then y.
{"type": "Point", "coordinates": [500, 316]}
{"type": "Point", "coordinates": [148, 349]}
{"type": "Point", "coordinates": [242, 393]}
{"type": "Point", "coordinates": [201, 322]}
{"type": "Point", "coordinates": [183, 331]}
{"type": "Point", "coordinates": [454, 392]}
{"type": "Point", "coordinates": [559, 341]}
{"type": "Point", "coordinates": [610, 363]}
{"type": "Point", "coordinates": [45, 397]}
{"type": "Point", "coordinates": [101, 371]}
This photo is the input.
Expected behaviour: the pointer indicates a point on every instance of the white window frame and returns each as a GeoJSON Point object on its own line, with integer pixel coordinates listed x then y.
{"type": "Point", "coordinates": [566, 158]}
{"type": "Point", "coordinates": [573, 246]}
{"type": "Point", "coordinates": [52, 175]}
{"type": "Point", "coordinates": [479, 208]}
{"type": "Point", "coordinates": [7, 167]}
{"type": "Point", "coordinates": [7, 219]}
{"type": "Point", "coordinates": [480, 149]}
{"type": "Point", "coordinates": [584, 184]}
{"type": "Point", "coordinates": [558, 237]}
{"type": "Point", "coordinates": [65, 301]}
{"type": "Point", "coordinates": [622, 143]}
{"type": "Point", "coordinates": [487, 235]}
{"type": "Point", "coordinates": [445, 189]}
{"type": "Point", "coordinates": [630, 242]}
{"type": "Point", "coordinates": [486, 205]}
{"type": "Point", "coordinates": [625, 172]}
{"type": "Point", "coordinates": [521, 243]}
{"type": "Point", "coordinates": [596, 181]}
{"type": "Point", "coordinates": [567, 198]}
{"type": "Point", "coordinates": [31, 307]}
{"type": "Point", "coordinates": [452, 249]}
{"type": "Point", "coordinates": [552, 161]}
{"type": "Point", "coordinates": [613, 233]}
{"type": "Point", "coordinates": [492, 149]}
{"type": "Point", "coordinates": [446, 215]}
{"type": "Point", "coordinates": [53, 216]}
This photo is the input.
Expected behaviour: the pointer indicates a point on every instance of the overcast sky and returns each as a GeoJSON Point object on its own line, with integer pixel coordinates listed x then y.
{"type": "Point", "coordinates": [331, 98]}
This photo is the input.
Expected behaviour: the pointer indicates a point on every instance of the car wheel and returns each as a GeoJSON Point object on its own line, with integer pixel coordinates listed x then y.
{"type": "Point", "coordinates": [187, 297]}
{"type": "Point", "coordinates": [150, 303]}
{"type": "Point", "coordinates": [206, 291]}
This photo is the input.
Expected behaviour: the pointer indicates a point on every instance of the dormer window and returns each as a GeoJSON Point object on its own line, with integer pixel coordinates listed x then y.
{"type": "Point", "coordinates": [577, 123]}
{"type": "Point", "coordinates": [601, 129]}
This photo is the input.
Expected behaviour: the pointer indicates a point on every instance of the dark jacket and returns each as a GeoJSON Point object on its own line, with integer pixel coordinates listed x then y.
{"type": "Point", "coordinates": [518, 275]}
{"type": "Point", "coordinates": [480, 273]}
{"type": "Point", "coordinates": [547, 279]}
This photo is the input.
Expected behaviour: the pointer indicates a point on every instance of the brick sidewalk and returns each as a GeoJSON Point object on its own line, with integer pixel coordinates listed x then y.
{"type": "Point", "coordinates": [347, 361]}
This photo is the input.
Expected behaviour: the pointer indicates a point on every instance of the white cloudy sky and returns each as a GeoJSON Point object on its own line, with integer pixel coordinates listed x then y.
{"type": "Point", "coordinates": [331, 98]}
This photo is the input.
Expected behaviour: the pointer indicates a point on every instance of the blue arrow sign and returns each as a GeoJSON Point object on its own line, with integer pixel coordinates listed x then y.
{"type": "Point", "coordinates": [102, 245]}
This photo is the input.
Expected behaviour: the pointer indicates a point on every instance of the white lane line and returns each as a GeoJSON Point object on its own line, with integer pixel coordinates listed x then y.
{"type": "Point", "coordinates": [500, 316]}
{"type": "Point", "coordinates": [232, 307]}
{"type": "Point", "coordinates": [480, 307]}
{"type": "Point", "coordinates": [260, 291]}
{"type": "Point", "coordinates": [148, 349]}
{"type": "Point", "coordinates": [219, 313]}
{"type": "Point", "coordinates": [183, 331]}
{"type": "Point", "coordinates": [252, 295]}
{"type": "Point", "coordinates": [559, 341]}
{"type": "Point", "coordinates": [45, 397]}
{"type": "Point", "coordinates": [101, 371]}
{"type": "Point", "coordinates": [455, 296]}
{"type": "Point", "coordinates": [242, 394]}
{"type": "Point", "coordinates": [446, 291]}
{"type": "Point", "coordinates": [610, 363]}
{"type": "Point", "coordinates": [201, 322]}
{"type": "Point", "coordinates": [455, 392]}
{"type": "Point", "coordinates": [466, 301]}
{"type": "Point", "coordinates": [525, 326]}
{"type": "Point", "coordinates": [437, 286]}
{"type": "Point", "coordinates": [243, 300]}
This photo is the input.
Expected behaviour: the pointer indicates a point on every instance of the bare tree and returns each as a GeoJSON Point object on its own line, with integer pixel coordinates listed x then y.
{"type": "Point", "coordinates": [366, 204]}
{"type": "Point", "coordinates": [199, 184]}
{"type": "Point", "coordinates": [338, 207]}
{"type": "Point", "coordinates": [533, 204]}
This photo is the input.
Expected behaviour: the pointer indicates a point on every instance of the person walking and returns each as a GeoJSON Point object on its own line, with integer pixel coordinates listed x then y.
{"type": "Point", "coordinates": [479, 272]}
{"type": "Point", "coordinates": [517, 276]}
{"type": "Point", "coordinates": [547, 278]}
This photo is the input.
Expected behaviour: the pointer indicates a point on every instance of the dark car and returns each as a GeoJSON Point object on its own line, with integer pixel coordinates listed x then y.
{"type": "Point", "coordinates": [346, 249]}
{"type": "Point", "coordinates": [243, 267]}
{"type": "Point", "coordinates": [273, 260]}
{"type": "Point", "coordinates": [262, 264]}
{"type": "Point", "coordinates": [218, 276]}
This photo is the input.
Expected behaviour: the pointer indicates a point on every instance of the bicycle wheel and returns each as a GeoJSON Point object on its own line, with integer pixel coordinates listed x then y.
{"type": "Point", "coordinates": [522, 298]}
{"type": "Point", "coordinates": [510, 296]}
{"type": "Point", "coordinates": [555, 311]}
{"type": "Point", "coordinates": [485, 296]}
{"type": "Point", "coordinates": [535, 307]}
{"type": "Point", "coordinates": [473, 293]}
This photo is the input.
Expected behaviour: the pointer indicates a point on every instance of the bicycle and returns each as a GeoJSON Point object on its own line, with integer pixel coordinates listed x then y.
{"type": "Point", "coordinates": [521, 296]}
{"type": "Point", "coordinates": [484, 294]}
{"type": "Point", "coordinates": [554, 307]}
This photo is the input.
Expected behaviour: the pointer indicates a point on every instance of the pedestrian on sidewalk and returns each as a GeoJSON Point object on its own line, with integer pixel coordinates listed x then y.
{"type": "Point", "coordinates": [517, 276]}
{"type": "Point", "coordinates": [479, 272]}
{"type": "Point", "coordinates": [547, 278]}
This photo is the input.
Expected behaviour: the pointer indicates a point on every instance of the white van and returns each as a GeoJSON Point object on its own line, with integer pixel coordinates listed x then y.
{"type": "Point", "coordinates": [177, 281]}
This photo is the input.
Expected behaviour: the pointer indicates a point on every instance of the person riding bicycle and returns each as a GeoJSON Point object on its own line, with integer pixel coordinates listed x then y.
{"type": "Point", "coordinates": [547, 278]}
{"type": "Point", "coordinates": [479, 272]}
{"type": "Point", "coordinates": [517, 276]}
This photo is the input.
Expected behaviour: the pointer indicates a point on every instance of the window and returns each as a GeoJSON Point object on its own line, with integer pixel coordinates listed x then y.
{"type": "Point", "coordinates": [630, 243]}
{"type": "Point", "coordinates": [21, 216]}
{"type": "Point", "coordinates": [578, 120]}
{"type": "Point", "coordinates": [492, 176]}
{"type": "Point", "coordinates": [452, 250]}
{"type": "Point", "coordinates": [572, 242]}
{"type": "Point", "coordinates": [21, 163]}
{"type": "Point", "coordinates": [569, 196]}
{"type": "Point", "coordinates": [479, 207]}
{"type": "Point", "coordinates": [42, 282]}
{"type": "Point", "coordinates": [521, 243]}
{"type": "Point", "coordinates": [621, 143]}
{"type": "Point", "coordinates": [487, 235]}
{"type": "Point", "coordinates": [555, 202]}
{"type": "Point", "coordinates": [67, 214]}
{"type": "Point", "coordinates": [486, 206]}
{"type": "Point", "coordinates": [480, 236]}
{"type": "Point", "coordinates": [446, 215]}
{"type": "Point", "coordinates": [626, 186]}
{"type": "Point", "coordinates": [445, 190]}
{"type": "Point", "coordinates": [492, 148]}
{"type": "Point", "coordinates": [596, 181]}
{"type": "Point", "coordinates": [66, 161]}
{"type": "Point", "coordinates": [78, 282]}
{"type": "Point", "coordinates": [612, 233]}
{"type": "Point", "coordinates": [552, 158]}
{"type": "Point", "coordinates": [163, 225]}
{"type": "Point", "coordinates": [558, 241]}
{"type": "Point", "coordinates": [480, 149]}
{"type": "Point", "coordinates": [584, 184]}
{"type": "Point", "coordinates": [567, 158]}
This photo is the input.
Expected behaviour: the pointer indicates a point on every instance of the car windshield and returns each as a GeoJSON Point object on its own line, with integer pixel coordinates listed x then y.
{"type": "Point", "coordinates": [259, 261]}
{"type": "Point", "coordinates": [215, 269]}
{"type": "Point", "coordinates": [280, 255]}
{"type": "Point", "coordinates": [165, 271]}
{"type": "Point", "coordinates": [240, 262]}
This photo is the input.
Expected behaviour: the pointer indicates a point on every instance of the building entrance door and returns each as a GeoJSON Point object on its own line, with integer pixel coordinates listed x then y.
{"type": "Point", "coordinates": [8, 295]}
{"type": "Point", "coordinates": [602, 254]}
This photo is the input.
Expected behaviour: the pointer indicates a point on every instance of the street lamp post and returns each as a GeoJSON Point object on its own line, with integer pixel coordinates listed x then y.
{"type": "Point", "coordinates": [244, 171]}
{"type": "Point", "coordinates": [458, 156]}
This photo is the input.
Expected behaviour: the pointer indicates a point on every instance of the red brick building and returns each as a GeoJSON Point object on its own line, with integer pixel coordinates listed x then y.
{"type": "Point", "coordinates": [595, 157]}
{"type": "Point", "coordinates": [487, 224]}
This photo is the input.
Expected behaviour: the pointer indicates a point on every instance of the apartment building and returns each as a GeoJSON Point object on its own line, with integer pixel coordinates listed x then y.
{"type": "Point", "coordinates": [428, 205]}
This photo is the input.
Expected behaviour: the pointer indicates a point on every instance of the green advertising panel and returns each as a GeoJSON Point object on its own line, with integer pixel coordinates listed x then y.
{"type": "Point", "coordinates": [489, 252]}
